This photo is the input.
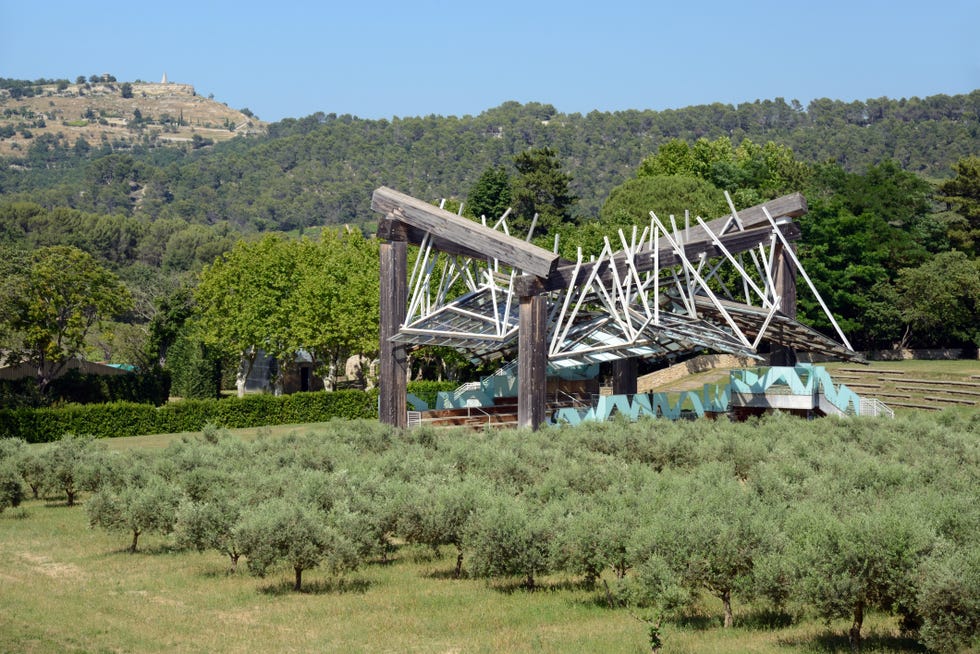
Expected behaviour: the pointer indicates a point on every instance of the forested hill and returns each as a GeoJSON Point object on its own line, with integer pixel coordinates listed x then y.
{"type": "Point", "coordinates": [321, 170]}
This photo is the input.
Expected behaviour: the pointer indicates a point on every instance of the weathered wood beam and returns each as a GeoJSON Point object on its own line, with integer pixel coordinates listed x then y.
{"type": "Point", "coordinates": [624, 376]}
{"type": "Point", "coordinates": [784, 277]}
{"type": "Point", "coordinates": [392, 229]}
{"type": "Point", "coordinates": [790, 206]}
{"type": "Point", "coordinates": [532, 361]}
{"type": "Point", "coordinates": [463, 232]}
{"type": "Point", "coordinates": [392, 359]}
{"type": "Point", "coordinates": [735, 242]}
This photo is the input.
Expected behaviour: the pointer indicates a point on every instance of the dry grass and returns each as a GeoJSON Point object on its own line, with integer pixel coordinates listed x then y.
{"type": "Point", "coordinates": [64, 113]}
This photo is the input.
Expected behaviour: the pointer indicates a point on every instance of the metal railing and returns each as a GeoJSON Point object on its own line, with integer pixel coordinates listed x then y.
{"type": "Point", "coordinates": [872, 406]}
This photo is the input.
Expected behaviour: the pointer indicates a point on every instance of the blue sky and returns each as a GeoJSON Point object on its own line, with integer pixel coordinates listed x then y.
{"type": "Point", "coordinates": [417, 57]}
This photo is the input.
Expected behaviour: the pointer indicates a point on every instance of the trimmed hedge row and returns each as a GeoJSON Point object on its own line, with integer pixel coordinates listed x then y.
{"type": "Point", "coordinates": [150, 387]}
{"type": "Point", "coordinates": [132, 419]}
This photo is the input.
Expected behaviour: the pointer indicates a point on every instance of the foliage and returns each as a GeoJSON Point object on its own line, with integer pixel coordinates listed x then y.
{"type": "Point", "coordinates": [211, 523]}
{"type": "Point", "coordinates": [147, 507]}
{"type": "Point", "coordinates": [962, 194]}
{"type": "Point", "coordinates": [334, 304]}
{"type": "Point", "coordinates": [195, 370]}
{"type": "Point", "coordinates": [751, 173]}
{"type": "Point", "coordinates": [130, 419]}
{"type": "Point", "coordinates": [939, 301]}
{"type": "Point", "coordinates": [280, 297]}
{"type": "Point", "coordinates": [675, 195]}
{"type": "Point", "coordinates": [490, 195]}
{"type": "Point", "coordinates": [149, 387]}
{"type": "Point", "coordinates": [865, 559]}
{"type": "Point", "coordinates": [540, 188]}
{"type": "Point", "coordinates": [11, 485]}
{"type": "Point", "coordinates": [64, 465]}
{"type": "Point", "coordinates": [824, 518]}
{"type": "Point", "coordinates": [53, 303]}
{"type": "Point", "coordinates": [301, 536]}
{"type": "Point", "coordinates": [948, 600]}
{"type": "Point", "coordinates": [508, 538]}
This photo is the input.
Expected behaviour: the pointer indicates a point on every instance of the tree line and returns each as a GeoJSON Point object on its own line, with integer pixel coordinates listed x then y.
{"type": "Point", "coordinates": [894, 254]}
{"type": "Point", "coordinates": [260, 182]}
{"type": "Point", "coordinates": [823, 519]}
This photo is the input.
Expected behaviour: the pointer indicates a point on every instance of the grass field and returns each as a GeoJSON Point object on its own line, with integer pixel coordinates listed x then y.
{"type": "Point", "coordinates": [67, 588]}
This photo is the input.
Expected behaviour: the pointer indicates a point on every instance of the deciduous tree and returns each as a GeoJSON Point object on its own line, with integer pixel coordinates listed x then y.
{"type": "Point", "coordinates": [58, 299]}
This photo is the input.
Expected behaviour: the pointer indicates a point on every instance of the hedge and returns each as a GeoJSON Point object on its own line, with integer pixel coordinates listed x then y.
{"type": "Point", "coordinates": [132, 419]}
{"type": "Point", "coordinates": [150, 387]}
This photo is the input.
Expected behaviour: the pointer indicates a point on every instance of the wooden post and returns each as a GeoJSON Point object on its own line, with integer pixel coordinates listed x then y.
{"type": "Point", "coordinates": [624, 376]}
{"type": "Point", "coordinates": [532, 361]}
{"type": "Point", "coordinates": [784, 276]}
{"type": "Point", "coordinates": [393, 373]}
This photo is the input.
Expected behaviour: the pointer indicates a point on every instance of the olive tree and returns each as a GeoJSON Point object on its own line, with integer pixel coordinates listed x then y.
{"type": "Point", "coordinates": [64, 465]}
{"type": "Point", "coordinates": [212, 523]}
{"type": "Point", "coordinates": [712, 532]}
{"type": "Point", "coordinates": [438, 512]}
{"type": "Point", "coordinates": [136, 509]}
{"type": "Point", "coordinates": [303, 537]}
{"type": "Point", "coordinates": [509, 538]}
{"type": "Point", "coordinates": [948, 599]}
{"type": "Point", "coordinates": [864, 559]}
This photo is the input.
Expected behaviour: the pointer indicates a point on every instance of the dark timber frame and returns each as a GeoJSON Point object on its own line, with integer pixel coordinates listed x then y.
{"type": "Point", "coordinates": [407, 220]}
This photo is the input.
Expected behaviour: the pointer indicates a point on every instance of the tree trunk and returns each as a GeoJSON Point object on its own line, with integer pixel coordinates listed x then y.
{"type": "Point", "coordinates": [459, 563]}
{"type": "Point", "coordinates": [234, 562]}
{"type": "Point", "coordinates": [299, 579]}
{"type": "Point", "coordinates": [132, 546]}
{"type": "Point", "coordinates": [244, 370]}
{"type": "Point", "coordinates": [726, 599]}
{"type": "Point", "coordinates": [854, 635]}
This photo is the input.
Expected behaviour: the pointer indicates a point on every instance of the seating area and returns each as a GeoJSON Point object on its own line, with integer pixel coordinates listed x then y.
{"type": "Point", "coordinates": [901, 389]}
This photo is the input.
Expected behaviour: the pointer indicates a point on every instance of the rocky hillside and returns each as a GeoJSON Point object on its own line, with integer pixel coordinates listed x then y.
{"type": "Point", "coordinates": [118, 113]}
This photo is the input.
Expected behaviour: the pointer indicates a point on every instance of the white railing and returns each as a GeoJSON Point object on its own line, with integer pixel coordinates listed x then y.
{"type": "Point", "coordinates": [466, 388]}
{"type": "Point", "coordinates": [872, 406]}
{"type": "Point", "coordinates": [414, 419]}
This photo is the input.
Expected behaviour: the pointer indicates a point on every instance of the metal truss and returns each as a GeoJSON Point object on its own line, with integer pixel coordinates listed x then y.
{"type": "Point", "coordinates": [623, 303]}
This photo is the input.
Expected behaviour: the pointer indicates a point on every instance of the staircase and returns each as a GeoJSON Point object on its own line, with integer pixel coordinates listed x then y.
{"type": "Point", "coordinates": [501, 414]}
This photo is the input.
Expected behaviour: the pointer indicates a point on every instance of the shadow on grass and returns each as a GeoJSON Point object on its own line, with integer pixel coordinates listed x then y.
{"type": "Point", "coordinates": [830, 641]}
{"type": "Point", "coordinates": [511, 586]}
{"type": "Point", "coordinates": [225, 572]}
{"type": "Point", "coordinates": [318, 587]}
{"type": "Point", "coordinates": [764, 620]}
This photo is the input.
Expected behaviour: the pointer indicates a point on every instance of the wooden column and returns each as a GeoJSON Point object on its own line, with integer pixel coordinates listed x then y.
{"type": "Point", "coordinates": [532, 361]}
{"type": "Point", "coordinates": [624, 376]}
{"type": "Point", "coordinates": [393, 373]}
{"type": "Point", "coordinates": [784, 276]}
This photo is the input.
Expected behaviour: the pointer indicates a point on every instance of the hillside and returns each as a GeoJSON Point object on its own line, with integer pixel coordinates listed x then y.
{"type": "Point", "coordinates": [154, 114]}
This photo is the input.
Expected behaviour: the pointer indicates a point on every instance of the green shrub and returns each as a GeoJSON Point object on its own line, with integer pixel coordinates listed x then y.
{"type": "Point", "coordinates": [132, 419]}
{"type": "Point", "coordinates": [147, 387]}
{"type": "Point", "coordinates": [196, 371]}
{"type": "Point", "coordinates": [428, 391]}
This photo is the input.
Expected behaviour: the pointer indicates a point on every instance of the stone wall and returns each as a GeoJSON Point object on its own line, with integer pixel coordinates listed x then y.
{"type": "Point", "coordinates": [698, 364]}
